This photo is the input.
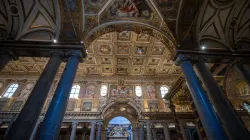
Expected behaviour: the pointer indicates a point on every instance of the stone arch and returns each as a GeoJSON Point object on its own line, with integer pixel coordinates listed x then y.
{"type": "Point", "coordinates": [108, 105]}
{"type": "Point", "coordinates": [163, 35]}
{"type": "Point", "coordinates": [112, 109]}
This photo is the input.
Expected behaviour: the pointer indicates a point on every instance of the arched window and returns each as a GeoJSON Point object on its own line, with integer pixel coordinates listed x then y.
{"type": "Point", "coordinates": [104, 90]}
{"type": "Point", "coordinates": [138, 91]}
{"type": "Point", "coordinates": [75, 90]}
{"type": "Point", "coordinates": [164, 91]}
{"type": "Point", "coordinates": [246, 106]}
{"type": "Point", "coordinates": [10, 90]}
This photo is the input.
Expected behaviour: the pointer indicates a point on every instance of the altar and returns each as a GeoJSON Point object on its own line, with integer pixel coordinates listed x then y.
{"type": "Point", "coordinates": [118, 133]}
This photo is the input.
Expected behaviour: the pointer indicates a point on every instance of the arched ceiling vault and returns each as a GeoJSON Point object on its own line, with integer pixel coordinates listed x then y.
{"type": "Point", "coordinates": [29, 20]}
{"type": "Point", "coordinates": [141, 16]}
{"type": "Point", "coordinates": [222, 27]}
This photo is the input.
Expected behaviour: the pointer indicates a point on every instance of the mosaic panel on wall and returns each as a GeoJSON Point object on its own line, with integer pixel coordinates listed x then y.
{"type": "Point", "coordinates": [16, 106]}
{"type": "Point", "coordinates": [71, 104]}
{"type": "Point", "coordinates": [242, 88]}
{"type": "Point", "coordinates": [90, 92]}
{"type": "Point", "coordinates": [26, 90]}
{"type": "Point", "coordinates": [121, 91]}
{"type": "Point", "coordinates": [153, 107]}
{"type": "Point", "coordinates": [86, 106]}
{"type": "Point", "coordinates": [151, 92]}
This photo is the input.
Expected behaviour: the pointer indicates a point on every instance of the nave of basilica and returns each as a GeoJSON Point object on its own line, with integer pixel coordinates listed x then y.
{"type": "Point", "coordinates": [124, 70]}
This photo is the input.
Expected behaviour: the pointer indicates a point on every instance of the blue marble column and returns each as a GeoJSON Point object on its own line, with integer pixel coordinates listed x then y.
{"type": "Point", "coordinates": [209, 119]}
{"type": "Point", "coordinates": [51, 124]}
{"type": "Point", "coordinates": [141, 137]}
{"type": "Point", "coordinates": [30, 112]}
{"type": "Point", "coordinates": [4, 59]}
{"type": "Point", "coordinates": [92, 131]}
{"type": "Point", "coordinates": [99, 131]}
{"type": "Point", "coordinates": [73, 132]}
{"type": "Point", "coordinates": [224, 109]}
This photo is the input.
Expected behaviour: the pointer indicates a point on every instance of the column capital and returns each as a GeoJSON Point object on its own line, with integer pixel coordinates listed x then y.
{"type": "Point", "coordinates": [180, 59]}
{"type": "Point", "coordinates": [76, 53]}
{"type": "Point", "coordinates": [74, 123]}
{"type": "Point", "coordinates": [93, 123]}
{"type": "Point", "coordinates": [99, 123]}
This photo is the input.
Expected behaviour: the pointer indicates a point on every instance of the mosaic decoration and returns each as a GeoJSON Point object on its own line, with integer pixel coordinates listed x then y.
{"type": "Point", "coordinates": [151, 92]}
{"type": "Point", "coordinates": [90, 92]}
{"type": "Point", "coordinates": [71, 105]}
{"type": "Point", "coordinates": [121, 91]}
{"type": "Point", "coordinates": [16, 106]}
{"type": "Point", "coordinates": [153, 107]}
{"type": "Point", "coordinates": [243, 88]}
{"type": "Point", "coordinates": [87, 106]}
{"type": "Point", "coordinates": [26, 91]}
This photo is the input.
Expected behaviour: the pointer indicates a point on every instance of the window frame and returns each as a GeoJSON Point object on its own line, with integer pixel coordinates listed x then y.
{"type": "Point", "coordinates": [75, 94]}
{"type": "Point", "coordinates": [10, 90]}
{"type": "Point", "coordinates": [140, 90]}
{"type": "Point", "coordinates": [103, 94]}
{"type": "Point", "coordinates": [162, 89]}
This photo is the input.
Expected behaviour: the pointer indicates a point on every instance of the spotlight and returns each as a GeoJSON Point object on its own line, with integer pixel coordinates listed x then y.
{"type": "Point", "coordinates": [203, 47]}
{"type": "Point", "coordinates": [54, 40]}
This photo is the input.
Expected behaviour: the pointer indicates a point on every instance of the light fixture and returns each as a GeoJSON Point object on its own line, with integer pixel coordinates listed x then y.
{"type": "Point", "coordinates": [122, 109]}
{"type": "Point", "coordinates": [55, 41]}
{"type": "Point", "coordinates": [82, 42]}
{"type": "Point", "coordinates": [203, 47]}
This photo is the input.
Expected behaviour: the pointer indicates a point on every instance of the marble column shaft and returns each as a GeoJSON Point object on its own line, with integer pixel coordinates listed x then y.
{"type": "Point", "coordinates": [30, 112]}
{"type": "Point", "coordinates": [224, 109]}
{"type": "Point", "coordinates": [183, 133]}
{"type": "Point", "coordinates": [73, 131]}
{"type": "Point", "coordinates": [149, 137]}
{"type": "Point", "coordinates": [209, 119]}
{"type": "Point", "coordinates": [92, 131]}
{"type": "Point", "coordinates": [166, 131]}
{"type": "Point", "coordinates": [141, 131]}
{"type": "Point", "coordinates": [51, 125]}
{"type": "Point", "coordinates": [99, 131]}
{"type": "Point", "coordinates": [4, 60]}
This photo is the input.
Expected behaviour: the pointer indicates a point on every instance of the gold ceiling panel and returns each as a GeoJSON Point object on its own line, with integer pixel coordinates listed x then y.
{"type": "Point", "coordinates": [125, 53]}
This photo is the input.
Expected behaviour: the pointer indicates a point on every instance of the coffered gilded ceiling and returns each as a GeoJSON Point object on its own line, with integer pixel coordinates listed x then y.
{"type": "Point", "coordinates": [125, 53]}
